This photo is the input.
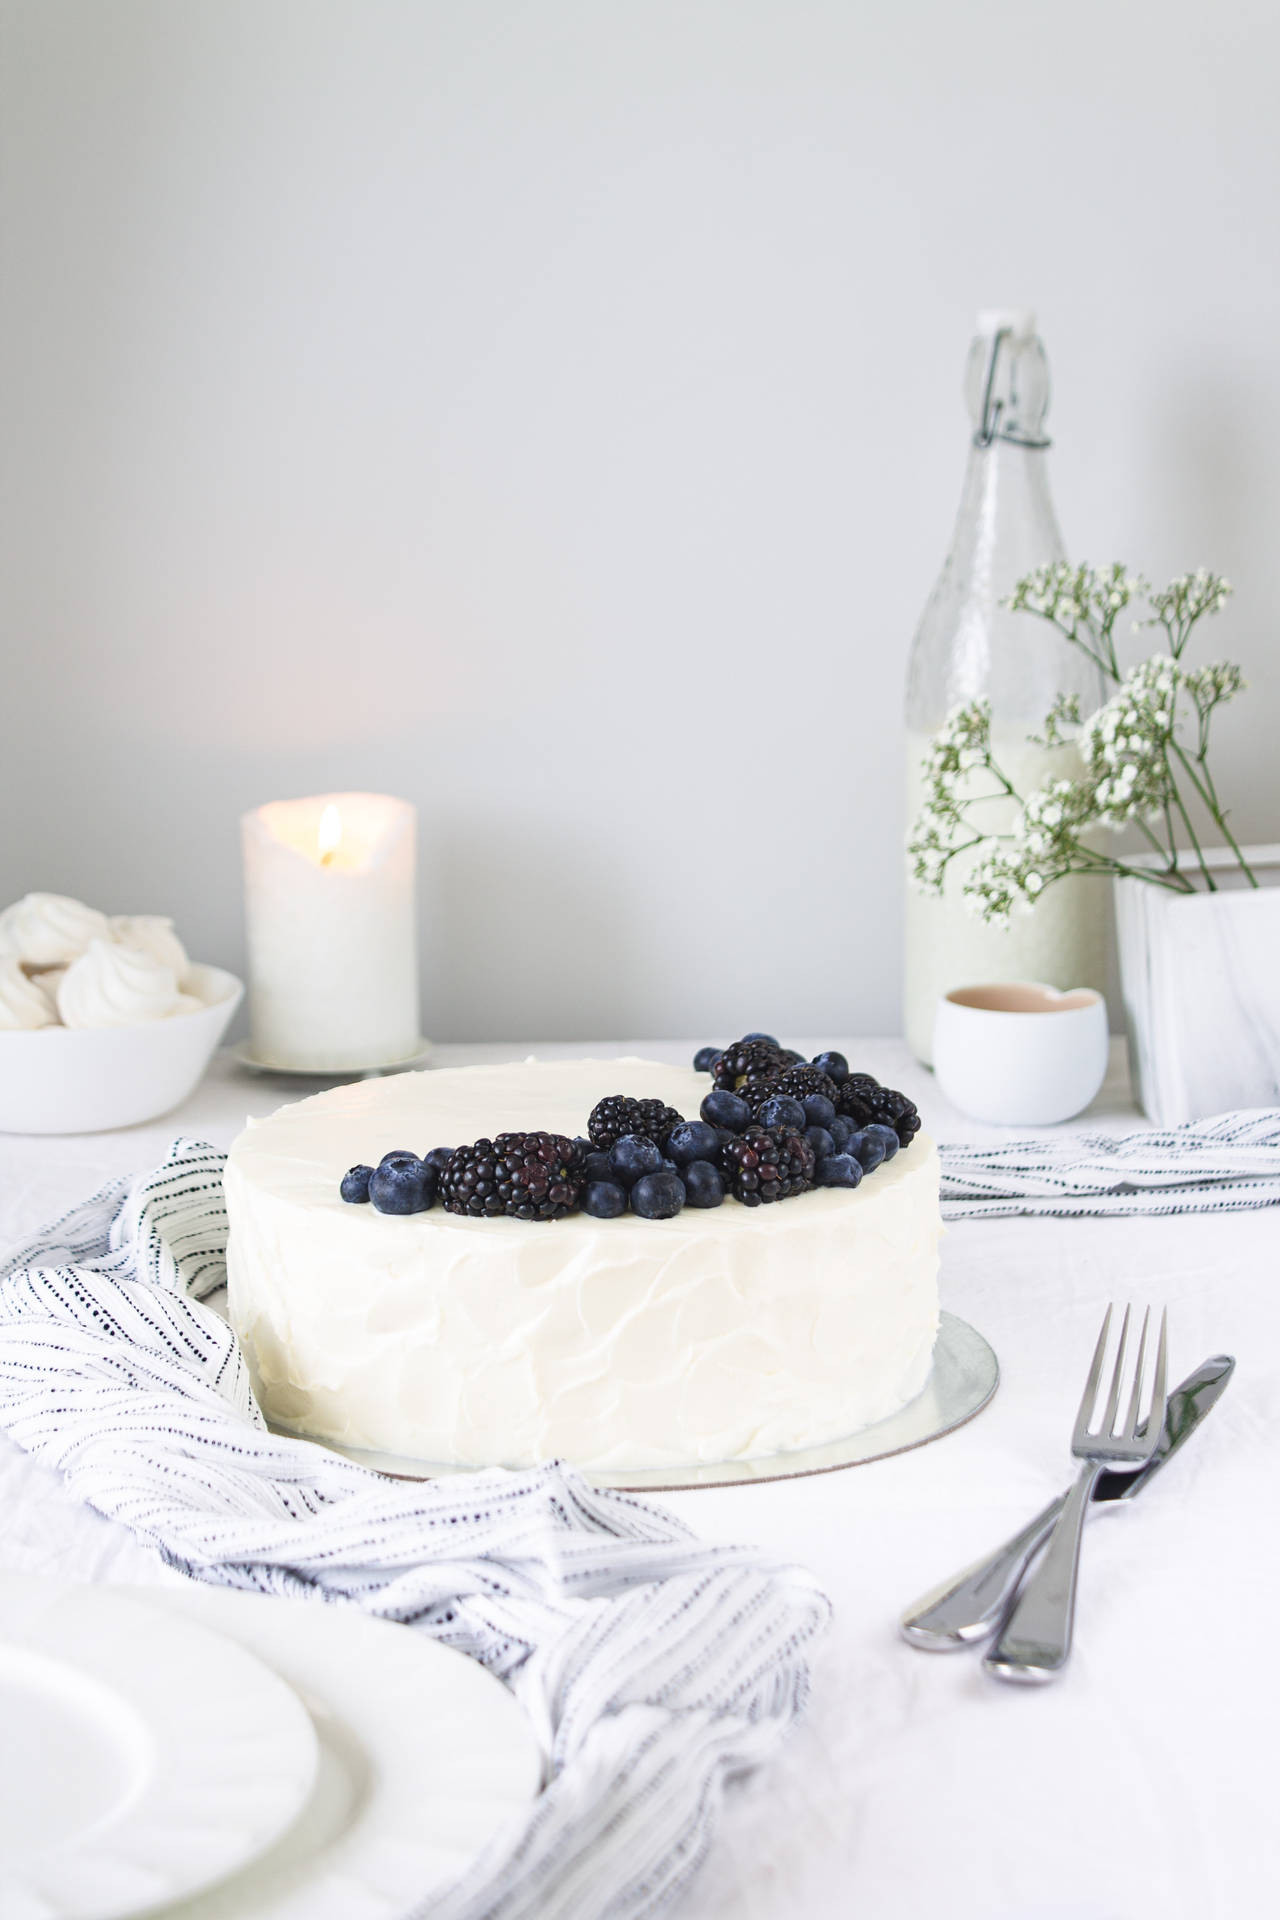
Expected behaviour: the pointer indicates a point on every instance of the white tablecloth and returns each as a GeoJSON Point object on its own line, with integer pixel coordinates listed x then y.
{"type": "Point", "coordinates": [1146, 1781]}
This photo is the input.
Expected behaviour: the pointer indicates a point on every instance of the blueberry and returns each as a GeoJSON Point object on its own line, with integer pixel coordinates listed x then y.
{"type": "Point", "coordinates": [597, 1166]}
{"type": "Point", "coordinates": [399, 1156]}
{"type": "Point", "coordinates": [692, 1140]}
{"type": "Point", "coordinates": [770, 1039]}
{"type": "Point", "coordinates": [783, 1111]}
{"type": "Point", "coordinates": [841, 1128]}
{"type": "Point", "coordinates": [821, 1142]}
{"type": "Point", "coordinates": [438, 1158]}
{"type": "Point", "coordinates": [724, 1109]}
{"type": "Point", "coordinates": [818, 1110]}
{"type": "Point", "coordinates": [703, 1184]}
{"type": "Point", "coordinates": [657, 1196]}
{"type": "Point", "coordinates": [583, 1145]}
{"type": "Point", "coordinates": [398, 1187]}
{"type": "Point", "coordinates": [355, 1185]}
{"type": "Point", "coordinates": [604, 1200]}
{"type": "Point", "coordinates": [703, 1058]}
{"type": "Point", "coordinates": [841, 1170]}
{"type": "Point", "coordinates": [834, 1065]}
{"type": "Point", "coordinates": [879, 1131]}
{"type": "Point", "coordinates": [635, 1154]}
{"type": "Point", "coordinates": [866, 1149]}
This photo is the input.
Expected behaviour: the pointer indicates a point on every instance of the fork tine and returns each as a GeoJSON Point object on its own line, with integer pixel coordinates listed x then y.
{"type": "Point", "coordinates": [1117, 1375]}
{"type": "Point", "coordinates": [1130, 1429]}
{"type": "Point", "coordinates": [1159, 1386]}
{"type": "Point", "coordinates": [1089, 1397]}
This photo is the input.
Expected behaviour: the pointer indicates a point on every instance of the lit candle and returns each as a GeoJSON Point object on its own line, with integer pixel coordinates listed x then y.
{"type": "Point", "coordinates": [332, 930]}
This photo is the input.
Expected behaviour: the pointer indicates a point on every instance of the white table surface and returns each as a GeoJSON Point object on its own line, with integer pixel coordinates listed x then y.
{"type": "Point", "coordinates": [1145, 1782]}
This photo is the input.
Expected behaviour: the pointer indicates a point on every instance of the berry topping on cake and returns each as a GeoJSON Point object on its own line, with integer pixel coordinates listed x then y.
{"type": "Point", "coordinates": [760, 1166]}
{"type": "Point", "coordinates": [840, 1170]}
{"type": "Point", "coordinates": [867, 1103]}
{"type": "Point", "coordinates": [692, 1140]}
{"type": "Point", "coordinates": [888, 1134]}
{"type": "Point", "coordinates": [619, 1114]}
{"type": "Point", "coordinates": [355, 1185]}
{"type": "Point", "coordinates": [526, 1176]}
{"type": "Point", "coordinates": [703, 1184]}
{"type": "Point", "coordinates": [403, 1184]}
{"type": "Point", "coordinates": [779, 1110]}
{"type": "Point", "coordinates": [727, 1110]}
{"type": "Point", "coordinates": [633, 1156]}
{"type": "Point", "coordinates": [604, 1199]}
{"type": "Point", "coordinates": [834, 1065]}
{"type": "Point", "coordinates": [746, 1060]}
{"type": "Point", "coordinates": [658, 1196]}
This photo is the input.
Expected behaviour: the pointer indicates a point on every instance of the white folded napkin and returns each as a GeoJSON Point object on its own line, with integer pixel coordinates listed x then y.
{"type": "Point", "coordinates": [653, 1667]}
{"type": "Point", "coordinates": [1207, 1166]}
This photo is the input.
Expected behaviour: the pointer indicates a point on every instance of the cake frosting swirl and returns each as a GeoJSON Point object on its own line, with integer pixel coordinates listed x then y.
{"type": "Point", "coordinates": [710, 1336]}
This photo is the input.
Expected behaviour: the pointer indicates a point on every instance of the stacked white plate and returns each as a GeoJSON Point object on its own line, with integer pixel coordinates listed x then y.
{"type": "Point", "coordinates": [224, 1756]}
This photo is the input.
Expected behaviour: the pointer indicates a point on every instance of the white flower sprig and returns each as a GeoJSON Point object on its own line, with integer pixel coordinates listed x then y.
{"type": "Point", "coordinates": [1132, 759]}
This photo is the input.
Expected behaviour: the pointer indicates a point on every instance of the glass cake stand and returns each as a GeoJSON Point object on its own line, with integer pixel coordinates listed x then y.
{"type": "Point", "coordinates": [965, 1375]}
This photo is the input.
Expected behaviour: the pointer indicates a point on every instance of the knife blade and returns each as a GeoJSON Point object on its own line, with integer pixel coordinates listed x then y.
{"type": "Point", "coordinates": [969, 1605]}
{"type": "Point", "coordinates": [1187, 1407]}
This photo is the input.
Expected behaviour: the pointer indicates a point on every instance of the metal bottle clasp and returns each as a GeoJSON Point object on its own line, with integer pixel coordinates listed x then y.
{"type": "Point", "coordinates": [989, 428]}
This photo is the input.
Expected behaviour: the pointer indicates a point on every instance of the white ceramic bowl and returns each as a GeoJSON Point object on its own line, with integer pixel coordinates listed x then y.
{"type": "Point", "coordinates": [1021, 1054]}
{"type": "Point", "coordinates": [86, 1079]}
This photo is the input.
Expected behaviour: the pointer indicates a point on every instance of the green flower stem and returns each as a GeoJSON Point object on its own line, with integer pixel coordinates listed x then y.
{"type": "Point", "coordinates": [1106, 863]}
{"type": "Point", "coordinates": [1168, 854]}
{"type": "Point", "coordinates": [1180, 804]}
{"type": "Point", "coordinates": [1209, 795]}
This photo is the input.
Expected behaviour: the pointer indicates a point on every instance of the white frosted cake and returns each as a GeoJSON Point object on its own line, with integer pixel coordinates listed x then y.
{"type": "Point", "coordinates": [716, 1335]}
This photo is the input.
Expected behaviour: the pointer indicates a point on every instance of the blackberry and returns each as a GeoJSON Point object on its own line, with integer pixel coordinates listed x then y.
{"type": "Point", "coordinates": [877, 1105]}
{"type": "Point", "coordinates": [799, 1082]}
{"type": "Point", "coordinates": [745, 1060]}
{"type": "Point", "coordinates": [618, 1114]}
{"type": "Point", "coordinates": [760, 1166]}
{"type": "Point", "coordinates": [526, 1176]}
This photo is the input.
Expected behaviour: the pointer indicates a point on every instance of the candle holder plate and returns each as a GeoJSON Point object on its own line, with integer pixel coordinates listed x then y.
{"type": "Point", "coordinates": [244, 1056]}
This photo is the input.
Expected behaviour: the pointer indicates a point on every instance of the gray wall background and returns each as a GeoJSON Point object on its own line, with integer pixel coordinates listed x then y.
{"type": "Point", "coordinates": [551, 413]}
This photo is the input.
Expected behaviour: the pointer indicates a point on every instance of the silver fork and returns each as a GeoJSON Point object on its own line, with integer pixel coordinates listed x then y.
{"type": "Point", "coordinates": [1035, 1639]}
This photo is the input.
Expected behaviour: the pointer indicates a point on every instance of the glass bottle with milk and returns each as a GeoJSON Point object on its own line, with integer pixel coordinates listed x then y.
{"type": "Point", "coordinates": [969, 646]}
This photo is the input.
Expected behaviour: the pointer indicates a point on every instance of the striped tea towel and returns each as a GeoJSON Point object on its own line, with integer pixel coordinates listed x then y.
{"type": "Point", "coordinates": [1207, 1166]}
{"type": "Point", "coordinates": [654, 1668]}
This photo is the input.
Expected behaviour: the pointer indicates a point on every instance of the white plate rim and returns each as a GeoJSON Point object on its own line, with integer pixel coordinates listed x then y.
{"type": "Point", "coordinates": [234, 1753]}
{"type": "Point", "coordinates": [340, 1659]}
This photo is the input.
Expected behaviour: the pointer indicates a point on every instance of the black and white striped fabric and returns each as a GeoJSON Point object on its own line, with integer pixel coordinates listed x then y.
{"type": "Point", "coordinates": [1207, 1166]}
{"type": "Point", "coordinates": [654, 1667]}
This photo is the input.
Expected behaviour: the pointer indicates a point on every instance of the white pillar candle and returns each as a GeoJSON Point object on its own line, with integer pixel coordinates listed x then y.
{"type": "Point", "coordinates": [332, 930]}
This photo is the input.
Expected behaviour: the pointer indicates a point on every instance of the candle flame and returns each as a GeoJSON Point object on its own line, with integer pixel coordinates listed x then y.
{"type": "Point", "coordinates": [329, 837]}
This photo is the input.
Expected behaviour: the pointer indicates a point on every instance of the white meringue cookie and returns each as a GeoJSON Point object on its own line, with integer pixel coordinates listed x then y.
{"type": "Point", "coordinates": [115, 986]}
{"type": "Point", "coordinates": [49, 929]}
{"type": "Point", "coordinates": [49, 979]}
{"type": "Point", "coordinates": [24, 1005]}
{"type": "Point", "coordinates": [151, 933]}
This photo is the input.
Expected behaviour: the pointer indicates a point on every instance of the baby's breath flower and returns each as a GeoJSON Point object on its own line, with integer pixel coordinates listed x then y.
{"type": "Point", "coordinates": [1130, 752]}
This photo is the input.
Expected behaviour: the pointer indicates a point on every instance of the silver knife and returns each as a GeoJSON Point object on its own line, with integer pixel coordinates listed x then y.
{"type": "Point", "coordinates": [969, 1605]}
